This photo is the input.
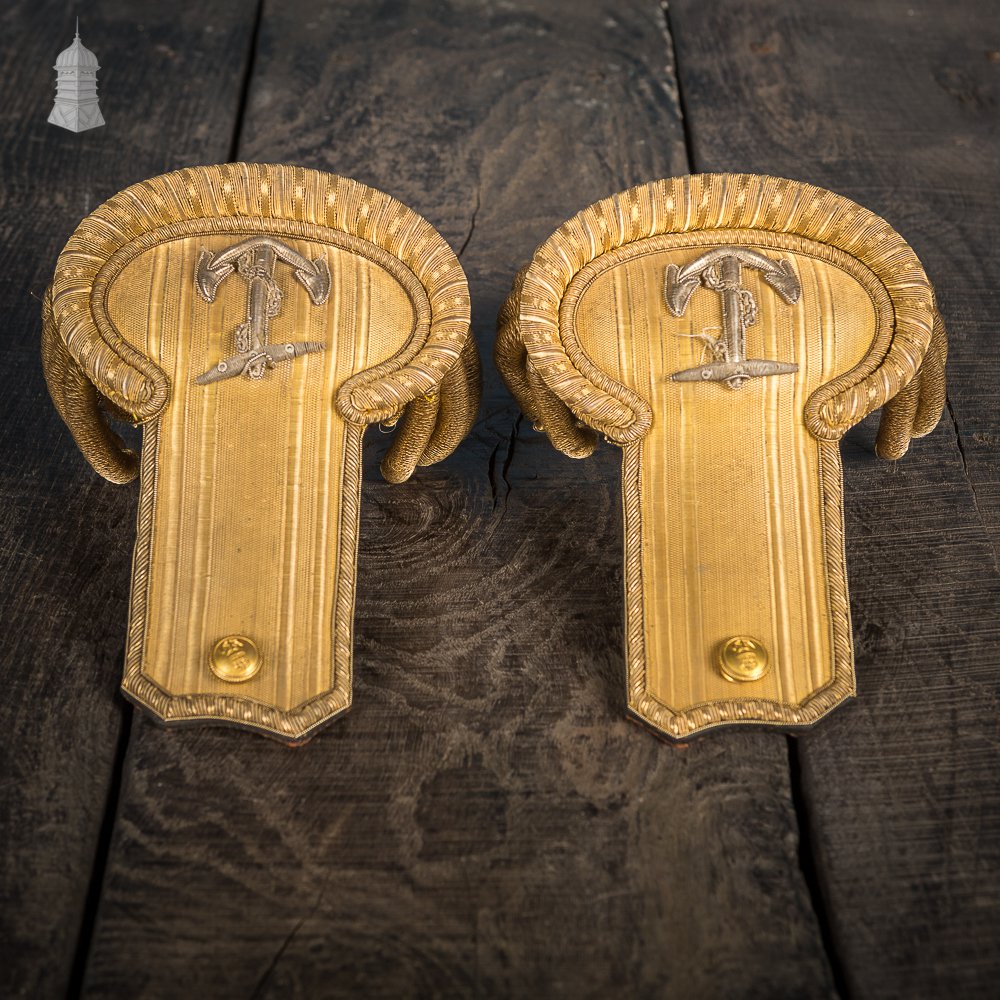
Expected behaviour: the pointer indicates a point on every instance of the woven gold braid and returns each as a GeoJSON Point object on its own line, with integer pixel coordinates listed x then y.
{"type": "Point", "coordinates": [242, 197]}
{"type": "Point", "coordinates": [734, 202]}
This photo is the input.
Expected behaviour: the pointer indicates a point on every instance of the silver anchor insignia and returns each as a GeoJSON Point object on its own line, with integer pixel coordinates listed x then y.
{"type": "Point", "coordinates": [720, 270]}
{"type": "Point", "coordinates": [255, 260]}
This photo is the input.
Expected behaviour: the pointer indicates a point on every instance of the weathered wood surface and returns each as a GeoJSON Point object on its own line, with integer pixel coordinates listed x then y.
{"type": "Point", "coordinates": [170, 92]}
{"type": "Point", "coordinates": [895, 104]}
{"type": "Point", "coordinates": [484, 821]}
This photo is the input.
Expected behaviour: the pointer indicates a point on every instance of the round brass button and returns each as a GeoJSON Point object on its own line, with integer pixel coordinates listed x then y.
{"type": "Point", "coordinates": [234, 658]}
{"type": "Point", "coordinates": [743, 658]}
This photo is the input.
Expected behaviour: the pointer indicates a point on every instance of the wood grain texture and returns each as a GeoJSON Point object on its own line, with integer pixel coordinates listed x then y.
{"type": "Point", "coordinates": [895, 105]}
{"type": "Point", "coordinates": [484, 821]}
{"type": "Point", "coordinates": [169, 90]}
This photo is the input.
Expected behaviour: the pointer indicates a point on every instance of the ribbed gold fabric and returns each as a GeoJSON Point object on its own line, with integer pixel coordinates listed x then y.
{"type": "Point", "coordinates": [732, 497]}
{"type": "Point", "coordinates": [246, 526]}
{"type": "Point", "coordinates": [732, 517]}
{"type": "Point", "coordinates": [250, 488]}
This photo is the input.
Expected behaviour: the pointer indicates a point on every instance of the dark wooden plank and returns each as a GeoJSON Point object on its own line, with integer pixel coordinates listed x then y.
{"type": "Point", "coordinates": [169, 90]}
{"type": "Point", "coordinates": [484, 821]}
{"type": "Point", "coordinates": [895, 105]}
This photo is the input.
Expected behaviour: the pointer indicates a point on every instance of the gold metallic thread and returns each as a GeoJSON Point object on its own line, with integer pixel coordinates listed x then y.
{"type": "Point", "coordinates": [711, 540]}
{"type": "Point", "coordinates": [125, 331]}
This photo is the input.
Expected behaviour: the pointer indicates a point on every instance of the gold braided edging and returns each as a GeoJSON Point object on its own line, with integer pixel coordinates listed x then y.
{"type": "Point", "coordinates": [292, 725]}
{"type": "Point", "coordinates": [745, 711]}
{"type": "Point", "coordinates": [881, 302]}
{"type": "Point", "coordinates": [245, 198]}
{"type": "Point", "coordinates": [546, 411]}
{"type": "Point", "coordinates": [711, 202]}
{"type": "Point", "coordinates": [749, 711]}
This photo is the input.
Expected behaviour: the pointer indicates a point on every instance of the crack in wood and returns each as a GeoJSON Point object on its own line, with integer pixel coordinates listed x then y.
{"type": "Point", "coordinates": [809, 869]}
{"type": "Point", "coordinates": [987, 534]}
{"type": "Point", "coordinates": [88, 921]}
{"type": "Point", "coordinates": [673, 71]}
{"type": "Point", "coordinates": [234, 145]}
{"type": "Point", "coordinates": [472, 223]}
{"type": "Point", "coordinates": [508, 458]}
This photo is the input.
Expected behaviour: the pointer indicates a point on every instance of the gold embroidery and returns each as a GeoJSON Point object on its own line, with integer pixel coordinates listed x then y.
{"type": "Point", "coordinates": [250, 487]}
{"type": "Point", "coordinates": [732, 501]}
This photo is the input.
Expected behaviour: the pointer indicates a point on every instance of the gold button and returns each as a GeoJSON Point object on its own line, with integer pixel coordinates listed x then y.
{"type": "Point", "coordinates": [234, 658]}
{"type": "Point", "coordinates": [743, 659]}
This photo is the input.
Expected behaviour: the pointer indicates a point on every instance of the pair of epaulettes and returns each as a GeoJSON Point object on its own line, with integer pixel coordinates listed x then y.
{"type": "Point", "coordinates": [724, 330]}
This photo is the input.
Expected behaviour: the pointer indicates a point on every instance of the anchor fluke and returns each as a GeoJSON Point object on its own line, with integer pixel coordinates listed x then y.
{"type": "Point", "coordinates": [678, 291]}
{"type": "Point", "coordinates": [316, 280]}
{"type": "Point", "coordinates": [207, 279]}
{"type": "Point", "coordinates": [784, 281]}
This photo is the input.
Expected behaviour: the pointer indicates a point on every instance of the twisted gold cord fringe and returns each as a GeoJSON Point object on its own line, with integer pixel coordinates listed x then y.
{"type": "Point", "coordinates": [410, 440]}
{"type": "Point", "coordinates": [79, 404]}
{"type": "Point", "coordinates": [461, 390]}
{"type": "Point", "coordinates": [541, 406]}
{"type": "Point", "coordinates": [916, 410]}
{"type": "Point", "coordinates": [530, 337]}
{"type": "Point", "coordinates": [432, 426]}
